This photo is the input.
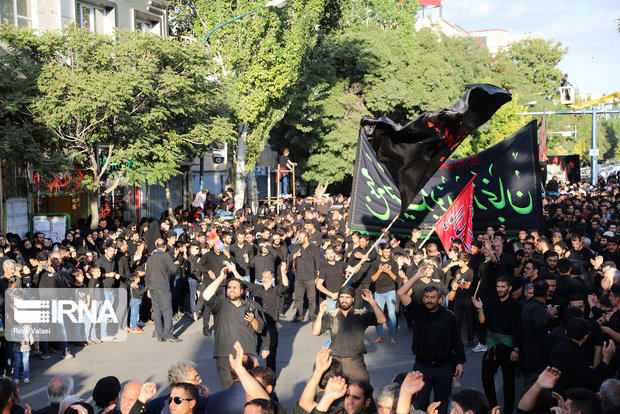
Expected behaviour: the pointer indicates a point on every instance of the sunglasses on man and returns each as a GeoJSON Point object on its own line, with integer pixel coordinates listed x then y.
{"type": "Point", "coordinates": [178, 400]}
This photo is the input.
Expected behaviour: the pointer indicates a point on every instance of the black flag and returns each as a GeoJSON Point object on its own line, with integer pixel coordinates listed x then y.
{"type": "Point", "coordinates": [413, 153]}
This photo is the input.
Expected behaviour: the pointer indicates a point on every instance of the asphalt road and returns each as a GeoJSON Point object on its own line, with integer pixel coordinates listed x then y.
{"type": "Point", "coordinates": [141, 357]}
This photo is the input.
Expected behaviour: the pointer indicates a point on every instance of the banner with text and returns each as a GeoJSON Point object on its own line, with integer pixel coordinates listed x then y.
{"type": "Point", "coordinates": [507, 189]}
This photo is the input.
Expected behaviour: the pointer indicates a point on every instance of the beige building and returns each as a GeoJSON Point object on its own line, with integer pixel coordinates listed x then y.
{"type": "Point", "coordinates": [100, 16]}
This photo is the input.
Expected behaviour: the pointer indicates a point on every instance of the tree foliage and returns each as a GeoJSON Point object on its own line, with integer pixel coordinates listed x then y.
{"type": "Point", "coordinates": [141, 102]}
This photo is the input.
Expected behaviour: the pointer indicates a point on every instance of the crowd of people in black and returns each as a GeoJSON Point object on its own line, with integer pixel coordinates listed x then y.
{"type": "Point", "coordinates": [541, 305]}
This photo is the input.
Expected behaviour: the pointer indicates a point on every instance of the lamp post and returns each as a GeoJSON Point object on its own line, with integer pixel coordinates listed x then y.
{"type": "Point", "coordinates": [272, 3]}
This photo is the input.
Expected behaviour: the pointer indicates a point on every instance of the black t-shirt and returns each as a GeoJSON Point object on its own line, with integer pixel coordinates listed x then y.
{"type": "Point", "coordinates": [332, 275]}
{"type": "Point", "coordinates": [348, 331]}
{"type": "Point", "coordinates": [384, 282]}
{"type": "Point", "coordinates": [466, 276]}
{"type": "Point", "coordinates": [502, 317]}
{"type": "Point", "coordinates": [284, 161]}
{"type": "Point", "coordinates": [107, 266]}
{"type": "Point", "coordinates": [213, 262]}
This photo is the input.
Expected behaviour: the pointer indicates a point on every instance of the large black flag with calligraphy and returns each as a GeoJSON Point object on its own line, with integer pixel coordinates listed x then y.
{"type": "Point", "coordinates": [507, 190]}
{"type": "Point", "coordinates": [413, 152]}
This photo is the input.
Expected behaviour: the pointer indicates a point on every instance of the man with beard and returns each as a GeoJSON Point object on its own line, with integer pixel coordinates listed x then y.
{"type": "Point", "coordinates": [347, 327]}
{"type": "Point", "coordinates": [236, 319]}
{"type": "Point", "coordinates": [361, 279]}
{"type": "Point", "coordinates": [502, 317]}
{"type": "Point", "coordinates": [242, 253]}
{"type": "Point", "coordinates": [437, 344]}
{"type": "Point", "coordinates": [307, 263]}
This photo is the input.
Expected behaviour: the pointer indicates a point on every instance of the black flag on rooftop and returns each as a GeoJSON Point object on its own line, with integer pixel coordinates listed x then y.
{"type": "Point", "coordinates": [413, 153]}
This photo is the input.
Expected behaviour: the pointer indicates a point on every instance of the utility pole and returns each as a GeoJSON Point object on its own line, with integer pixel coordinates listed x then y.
{"type": "Point", "coordinates": [594, 151]}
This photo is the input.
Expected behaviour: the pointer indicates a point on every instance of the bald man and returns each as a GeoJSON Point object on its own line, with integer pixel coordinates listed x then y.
{"type": "Point", "coordinates": [130, 395]}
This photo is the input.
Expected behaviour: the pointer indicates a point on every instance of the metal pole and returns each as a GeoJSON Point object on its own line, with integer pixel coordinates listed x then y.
{"type": "Point", "coordinates": [202, 172]}
{"type": "Point", "coordinates": [269, 184]}
{"type": "Point", "coordinates": [230, 21]}
{"type": "Point", "coordinates": [594, 149]}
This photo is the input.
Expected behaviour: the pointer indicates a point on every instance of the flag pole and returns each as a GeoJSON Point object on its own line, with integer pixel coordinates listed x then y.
{"type": "Point", "coordinates": [426, 238]}
{"type": "Point", "coordinates": [363, 259]}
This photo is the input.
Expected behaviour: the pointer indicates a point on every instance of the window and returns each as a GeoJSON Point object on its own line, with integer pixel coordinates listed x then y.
{"type": "Point", "coordinates": [17, 13]}
{"type": "Point", "coordinates": [91, 18]}
{"type": "Point", "coordinates": [144, 27]}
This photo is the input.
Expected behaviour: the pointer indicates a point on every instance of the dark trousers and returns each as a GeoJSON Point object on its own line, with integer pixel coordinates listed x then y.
{"type": "Point", "coordinates": [202, 308]}
{"type": "Point", "coordinates": [222, 365]}
{"type": "Point", "coordinates": [272, 330]}
{"type": "Point", "coordinates": [354, 368]}
{"type": "Point", "coordinates": [439, 380]}
{"type": "Point", "coordinates": [162, 313]}
{"type": "Point", "coordinates": [463, 308]}
{"type": "Point", "coordinates": [305, 287]}
{"type": "Point", "coordinates": [499, 356]}
{"type": "Point", "coordinates": [532, 360]}
{"type": "Point", "coordinates": [481, 331]}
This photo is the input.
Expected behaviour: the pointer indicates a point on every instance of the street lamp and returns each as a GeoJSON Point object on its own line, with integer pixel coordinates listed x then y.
{"type": "Point", "coordinates": [271, 3]}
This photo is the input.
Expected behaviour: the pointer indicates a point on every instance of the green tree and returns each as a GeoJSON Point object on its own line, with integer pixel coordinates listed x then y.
{"type": "Point", "coordinates": [260, 59]}
{"type": "Point", "coordinates": [537, 72]}
{"type": "Point", "coordinates": [142, 101]}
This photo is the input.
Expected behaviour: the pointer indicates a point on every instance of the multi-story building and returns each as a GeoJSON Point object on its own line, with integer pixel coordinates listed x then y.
{"type": "Point", "coordinates": [100, 16]}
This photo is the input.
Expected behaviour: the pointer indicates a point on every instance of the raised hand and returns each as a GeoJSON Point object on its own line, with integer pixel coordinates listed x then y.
{"type": "Point", "coordinates": [323, 307]}
{"type": "Point", "coordinates": [336, 388]}
{"type": "Point", "coordinates": [548, 378]}
{"type": "Point", "coordinates": [323, 360]}
{"type": "Point", "coordinates": [236, 362]}
{"type": "Point", "coordinates": [477, 302]}
{"type": "Point", "coordinates": [367, 295]}
{"type": "Point", "coordinates": [148, 391]}
{"type": "Point", "coordinates": [433, 408]}
{"type": "Point", "coordinates": [413, 382]}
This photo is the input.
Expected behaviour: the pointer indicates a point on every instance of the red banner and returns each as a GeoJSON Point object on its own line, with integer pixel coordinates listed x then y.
{"type": "Point", "coordinates": [542, 149]}
{"type": "Point", "coordinates": [457, 221]}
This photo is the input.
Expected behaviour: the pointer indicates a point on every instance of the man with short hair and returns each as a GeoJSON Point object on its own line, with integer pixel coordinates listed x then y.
{"type": "Point", "coordinates": [469, 400]}
{"type": "Point", "coordinates": [502, 317]}
{"type": "Point", "coordinates": [181, 371]}
{"type": "Point", "coordinates": [307, 263]}
{"type": "Point", "coordinates": [387, 399]}
{"type": "Point", "coordinates": [236, 319]}
{"type": "Point", "coordinates": [358, 396]}
{"type": "Point", "coordinates": [183, 398]}
{"type": "Point", "coordinates": [347, 328]}
{"type": "Point", "coordinates": [159, 270]}
{"type": "Point", "coordinates": [535, 323]}
{"type": "Point", "coordinates": [384, 274]}
{"type": "Point", "coordinates": [610, 396]}
{"type": "Point", "coordinates": [58, 388]}
{"type": "Point", "coordinates": [437, 344]}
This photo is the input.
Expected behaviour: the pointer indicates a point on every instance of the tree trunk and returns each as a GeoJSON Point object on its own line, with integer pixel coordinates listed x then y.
{"type": "Point", "coordinates": [169, 203]}
{"type": "Point", "coordinates": [320, 189]}
{"type": "Point", "coordinates": [240, 166]}
{"type": "Point", "coordinates": [93, 199]}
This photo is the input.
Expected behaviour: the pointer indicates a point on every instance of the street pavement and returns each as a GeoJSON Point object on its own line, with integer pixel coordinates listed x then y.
{"type": "Point", "coordinates": [143, 358]}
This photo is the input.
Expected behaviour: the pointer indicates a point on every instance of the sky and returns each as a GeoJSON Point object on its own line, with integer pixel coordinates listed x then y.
{"type": "Point", "coordinates": [586, 27]}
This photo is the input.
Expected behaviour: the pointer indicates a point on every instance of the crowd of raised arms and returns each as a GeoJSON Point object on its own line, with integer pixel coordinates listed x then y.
{"type": "Point", "coordinates": [540, 305]}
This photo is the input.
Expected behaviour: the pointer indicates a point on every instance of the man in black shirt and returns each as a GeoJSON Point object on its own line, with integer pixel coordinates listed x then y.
{"type": "Point", "coordinates": [159, 270]}
{"type": "Point", "coordinates": [307, 263]}
{"type": "Point", "coordinates": [242, 253]}
{"type": "Point", "coordinates": [347, 327]}
{"type": "Point", "coordinates": [535, 323]}
{"type": "Point", "coordinates": [568, 356]}
{"type": "Point", "coordinates": [210, 264]}
{"type": "Point", "coordinates": [384, 273]}
{"type": "Point", "coordinates": [109, 273]}
{"type": "Point", "coordinates": [461, 294]}
{"type": "Point", "coordinates": [286, 166]}
{"type": "Point", "coordinates": [361, 279]}
{"type": "Point", "coordinates": [236, 319]}
{"type": "Point", "coordinates": [267, 295]}
{"type": "Point", "coordinates": [437, 344]}
{"type": "Point", "coordinates": [502, 317]}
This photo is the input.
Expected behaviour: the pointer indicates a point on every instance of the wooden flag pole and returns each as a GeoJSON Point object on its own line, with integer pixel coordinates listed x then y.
{"type": "Point", "coordinates": [363, 259]}
{"type": "Point", "coordinates": [426, 238]}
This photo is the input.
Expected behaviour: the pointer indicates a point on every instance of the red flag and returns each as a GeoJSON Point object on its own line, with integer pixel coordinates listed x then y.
{"type": "Point", "coordinates": [457, 221]}
{"type": "Point", "coordinates": [542, 149]}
